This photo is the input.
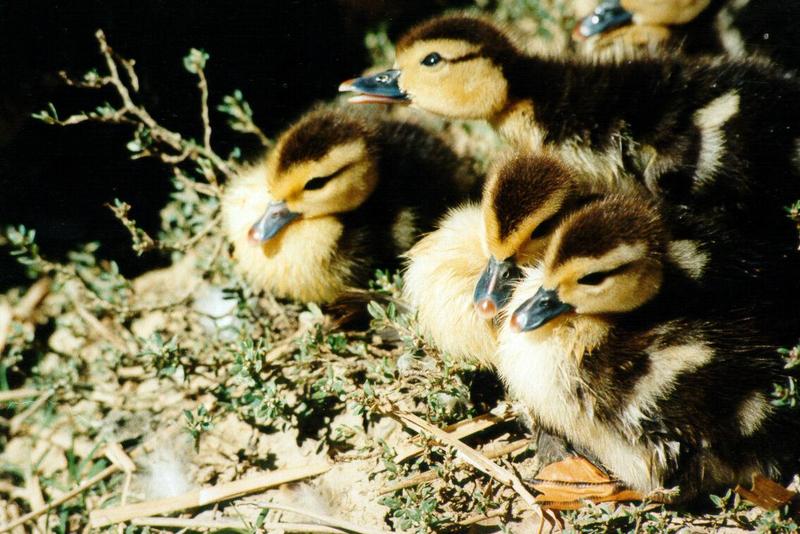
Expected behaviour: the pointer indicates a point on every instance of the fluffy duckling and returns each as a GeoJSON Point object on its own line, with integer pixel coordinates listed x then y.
{"type": "Point", "coordinates": [612, 347]}
{"type": "Point", "coordinates": [474, 255]}
{"type": "Point", "coordinates": [525, 197]}
{"type": "Point", "coordinates": [439, 281]}
{"type": "Point", "coordinates": [341, 193]}
{"type": "Point", "coordinates": [651, 15]}
{"type": "Point", "coordinates": [696, 26]}
{"type": "Point", "coordinates": [701, 131]}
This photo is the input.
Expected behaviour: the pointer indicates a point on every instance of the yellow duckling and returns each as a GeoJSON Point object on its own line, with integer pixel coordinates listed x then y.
{"type": "Point", "coordinates": [342, 193]}
{"type": "Point", "coordinates": [614, 348]}
{"type": "Point", "coordinates": [698, 131]}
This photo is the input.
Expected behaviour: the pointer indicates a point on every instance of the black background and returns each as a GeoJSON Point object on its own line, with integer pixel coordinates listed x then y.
{"type": "Point", "coordinates": [283, 55]}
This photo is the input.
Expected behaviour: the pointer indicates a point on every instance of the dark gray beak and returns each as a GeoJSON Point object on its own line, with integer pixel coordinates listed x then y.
{"type": "Point", "coordinates": [494, 287]}
{"type": "Point", "coordinates": [379, 88]}
{"type": "Point", "coordinates": [606, 16]}
{"type": "Point", "coordinates": [276, 217]}
{"type": "Point", "coordinates": [538, 310]}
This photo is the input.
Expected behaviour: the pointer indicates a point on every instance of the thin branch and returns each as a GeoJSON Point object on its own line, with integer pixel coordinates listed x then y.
{"type": "Point", "coordinates": [204, 496]}
{"type": "Point", "coordinates": [325, 519]}
{"type": "Point", "coordinates": [231, 523]}
{"type": "Point", "coordinates": [83, 486]}
{"type": "Point", "coordinates": [470, 455]}
{"type": "Point", "coordinates": [16, 422]}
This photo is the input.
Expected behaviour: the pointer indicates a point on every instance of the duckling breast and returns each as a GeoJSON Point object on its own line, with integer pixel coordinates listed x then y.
{"type": "Point", "coordinates": [440, 277]}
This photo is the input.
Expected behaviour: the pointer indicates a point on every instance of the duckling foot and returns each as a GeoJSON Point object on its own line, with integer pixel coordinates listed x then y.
{"type": "Point", "coordinates": [569, 483]}
{"type": "Point", "coordinates": [766, 493]}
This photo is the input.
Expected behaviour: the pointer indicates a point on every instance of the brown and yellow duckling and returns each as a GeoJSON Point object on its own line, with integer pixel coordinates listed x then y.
{"type": "Point", "coordinates": [454, 278]}
{"type": "Point", "coordinates": [524, 199]}
{"type": "Point", "coordinates": [699, 131]}
{"type": "Point", "coordinates": [614, 348]}
{"type": "Point", "coordinates": [734, 27]}
{"type": "Point", "coordinates": [342, 193]}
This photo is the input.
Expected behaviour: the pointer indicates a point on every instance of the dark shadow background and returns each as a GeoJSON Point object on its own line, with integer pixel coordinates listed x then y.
{"type": "Point", "coordinates": [284, 55]}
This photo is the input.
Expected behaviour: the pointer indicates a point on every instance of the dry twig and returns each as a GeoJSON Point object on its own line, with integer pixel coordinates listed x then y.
{"type": "Point", "coordinates": [476, 459]}
{"type": "Point", "coordinates": [83, 486]}
{"type": "Point", "coordinates": [204, 496]}
{"type": "Point", "coordinates": [231, 523]}
{"type": "Point", "coordinates": [324, 519]}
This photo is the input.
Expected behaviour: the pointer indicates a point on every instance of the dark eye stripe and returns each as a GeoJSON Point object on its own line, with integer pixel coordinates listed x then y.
{"type": "Point", "coordinates": [546, 226]}
{"type": "Point", "coordinates": [319, 182]}
{"type": "Point", "coordinates": [597, 278]}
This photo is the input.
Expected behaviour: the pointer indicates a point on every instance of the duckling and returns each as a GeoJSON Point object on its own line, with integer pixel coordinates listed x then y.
{"type": "Point", "coordinates": [438, 282]}
{"type": "Point", "coordinates": [613, 14]}
{"type": "Point", "coordinates": [456, 266]}
{"type": "Point", "coordinates": [614, 348]}
{"type": "Point", "coordinates": [696, 26]}
{"type": "Point", "coordinates": [699, 131]}
{"type": "Point", "coordinates": [525, 196]}
{"type": "Point", "coordinates": [341, 193]}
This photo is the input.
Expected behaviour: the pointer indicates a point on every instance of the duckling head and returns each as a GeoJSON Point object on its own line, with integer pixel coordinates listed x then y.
{"type": "Point", "coordinates": [524, 199]}
{"type": "Point", "coordinates": [323, 165]}
{"type": "Point", "coordinates": [604, 259]}
{"type": "Point", "coordinates": [450, 65]}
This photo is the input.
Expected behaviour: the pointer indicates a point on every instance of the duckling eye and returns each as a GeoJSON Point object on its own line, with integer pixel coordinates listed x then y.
{"type": "Point", "coordinates": [431, 59]}
{"type": "Point", "coordinates": [544, 228]}
{"type": "Point", "coordinates": [593, 279]}
{"type": "Point", "coordinates": [597, 278]}
{"type": "Point", "coordinates": [317, 183]}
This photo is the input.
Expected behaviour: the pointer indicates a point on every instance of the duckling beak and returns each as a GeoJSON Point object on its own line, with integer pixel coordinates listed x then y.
{"type": "Point", "coordinates": [538, 310]}
{"type": "Point", "coordinates": [268, 225]}
{"type": "Point", "coordinates": [379, 88]}
{"type": "Point", "coordinates": [494, 287]}
{"type": "Point", "coordinates": [606, 16]}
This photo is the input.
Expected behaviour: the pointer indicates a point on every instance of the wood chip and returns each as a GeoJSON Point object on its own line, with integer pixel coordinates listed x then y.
{"type": "Point", "coordinates": [117, 456]}
{"type": "Point", "coordinates": [6, 316]}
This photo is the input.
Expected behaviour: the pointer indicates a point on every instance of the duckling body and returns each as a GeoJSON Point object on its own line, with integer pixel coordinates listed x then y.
{"type": "Point", "coordinates": [613, 347]}
{"type": "Point", "coordinates": [442, 270]}
{"type": "Point", "coordinates": [703, 132]}
{"type": "Point", "coordinates": [345, 192]}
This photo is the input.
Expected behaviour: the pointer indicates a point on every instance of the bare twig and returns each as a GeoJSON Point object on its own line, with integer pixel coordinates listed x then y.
{"type": "Point", "coordinates": [471, 456]}
{"type": "Point", "coordinates": [231, 523]}
{"type": "Point", "coordinates": [6, 316]}
{"type": "Point", "coordinates": [83, 486]}
{"type": "Point", "coordinates": [202, 84]}
{"type": "Point", "coordinates": [459, 430]}
{"type": "Point", "coordinates": [327, 520]}
{"type": "Point", "coordinates": [204, 496]}
{"type": "Point", "coordinates": [427, 476]}
{"type": "Point", "coordinates": [33, 297]}
{"type": "Point", "coordinates": [102, 330]}
{"type": "Point", "coordinates": [16, 422]}
{"type": "Point", "coordinates": [18, 394]}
